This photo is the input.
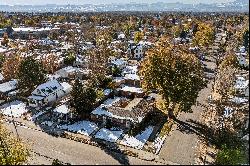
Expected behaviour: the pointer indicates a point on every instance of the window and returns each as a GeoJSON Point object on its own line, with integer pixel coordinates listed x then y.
{"type": "Point", "coordinates": [49, 91]}
{"type": "Point", "coordinates": [54, 88]}
{"type": "Point", "coordinates": [32, 102]}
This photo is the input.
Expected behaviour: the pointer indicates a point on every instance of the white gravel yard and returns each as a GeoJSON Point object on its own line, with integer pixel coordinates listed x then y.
{"type": "Point", "coordinates": [110, 135]}
{"type": "Point", "coordinates": [15, 108]}
{"type": "Point", "coordinates": [81, 127]}
{"type": "Point", "coordinates": [139, 140]}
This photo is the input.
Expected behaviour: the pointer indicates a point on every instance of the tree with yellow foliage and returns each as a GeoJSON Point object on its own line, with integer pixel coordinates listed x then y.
{"type": "Point", "coordinates": [175, 73]}
{"type": "Point", "coordinates": [205, 35]}
{"type": "Point", "coordinates": [230, 60]}
{"type": "Point", "coordinates": [12, 150]}
{"type": "Point", "coordinates": [138, 37]}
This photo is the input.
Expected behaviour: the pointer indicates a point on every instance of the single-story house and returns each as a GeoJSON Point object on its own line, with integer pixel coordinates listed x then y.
{"type": "Point", "coordinates": [130, 70]}
{"type": "Point", "coordinates": [80, 61]}
{"type": "Point", "coordinates": [131, 91]}
{"type": "Point", "coordinates": [25, 32]}
{"type": "Point", "coordinates": [122, 112]}
{"type": "Point", "coordinates": [132, 80]}
{"type": "Point", "coordinates": [71, 72]}
{"type": "Point", "coordinates": [3, 49]}
{"type": "Point", "coordinates": [242, 49]}
{"type": "Point", "coordinates": [121, 36]}
{"type": "Point", "coordinates": [46, 41]}
{"type": "Point", "coordinates": [48, 92]}
{"type": "Point", "coordinates": [119, 62]}
{"type": "Point", "coordinates": [53, 76]}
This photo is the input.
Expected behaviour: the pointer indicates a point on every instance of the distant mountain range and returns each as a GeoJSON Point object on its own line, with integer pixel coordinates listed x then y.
{"type": "Point", "coordinates": [236, 6]}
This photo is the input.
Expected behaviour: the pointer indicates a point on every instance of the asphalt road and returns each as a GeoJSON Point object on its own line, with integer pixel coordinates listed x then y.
{"type": "Point", "coordinates": [47, 148]}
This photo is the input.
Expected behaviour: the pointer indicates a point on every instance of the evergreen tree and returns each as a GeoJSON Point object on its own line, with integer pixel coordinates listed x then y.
{"type": "Point", "coordinates": [83, 98]}
{"type": "Point", "coordinates": [116, 72]}
{"type": "Point", "coordinates": [76, 94]}
{"type": "Point", "coordinates": [89, 97]}
{"type": "Point", "coordinates": [31, 73]}
{"type": "Point", "coordinates": [246, 39]}
{"type": "Point", "coordinates": [69, 59]}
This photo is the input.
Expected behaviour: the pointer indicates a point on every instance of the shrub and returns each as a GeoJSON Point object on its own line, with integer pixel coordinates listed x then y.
{"type": "Point", "coordinates": [69, 59]}
{"type": "Point", "coordinates": [100, 94]}
{"type": "Point", "coordinates": [230, 156]}
{"type": "Point", "coordinates": [166, 128]}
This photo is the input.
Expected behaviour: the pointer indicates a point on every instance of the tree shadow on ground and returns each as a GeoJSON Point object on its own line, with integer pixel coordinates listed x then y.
{"type": "Point", "coordinates": [110, 148]}
{"type": "Point", "coordinates": [210, 135]}
{"type": "Point", "coordinates": [113, 150]}
{"type": "Point", "coordinates": [121, 158]}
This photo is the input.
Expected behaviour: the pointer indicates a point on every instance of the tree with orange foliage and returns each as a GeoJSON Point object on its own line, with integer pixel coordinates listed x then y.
{"type": "Point", "coordinates": [50, 63]}
{"type": "Point", "coordinates": [10, 67]}
{"type": "Point", "coordinates": [5, 41]}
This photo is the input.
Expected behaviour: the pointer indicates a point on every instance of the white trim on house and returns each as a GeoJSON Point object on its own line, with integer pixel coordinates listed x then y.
{"type": "Point", "coordinates": [48, 92]}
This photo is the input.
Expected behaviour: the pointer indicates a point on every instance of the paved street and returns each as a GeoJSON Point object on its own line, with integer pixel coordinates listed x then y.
{"type": "Point", "coordinates": [70, 151]}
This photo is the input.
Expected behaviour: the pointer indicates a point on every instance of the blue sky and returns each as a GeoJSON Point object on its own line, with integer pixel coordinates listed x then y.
{"type": "Point", "coordinates": [38, 2]}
